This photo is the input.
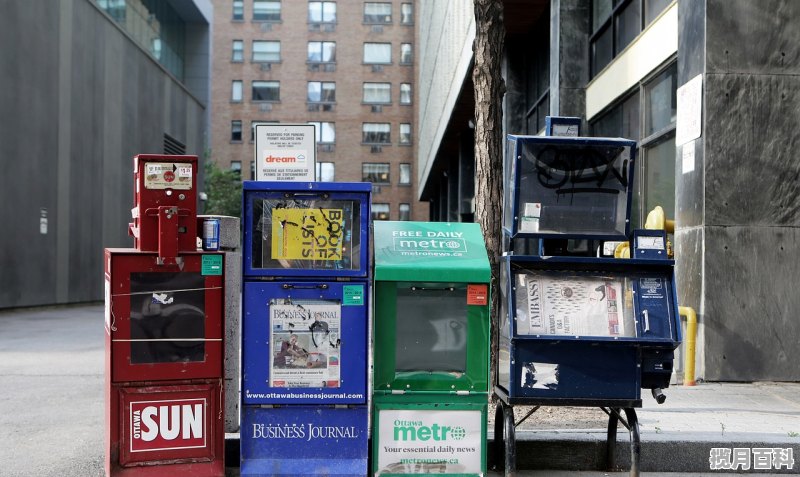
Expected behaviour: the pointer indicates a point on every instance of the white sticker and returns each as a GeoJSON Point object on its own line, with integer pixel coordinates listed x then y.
{"type": "Point", "coordinates": [185, 170]}
{"type": "Point", "coordinates": [539, 376]}
{"type": "Point", "coordinates": [533, 209]}
{"type": "Point", "coordinates": [688, 157]}
{"type": "Point", "coordinates": [162, 299]}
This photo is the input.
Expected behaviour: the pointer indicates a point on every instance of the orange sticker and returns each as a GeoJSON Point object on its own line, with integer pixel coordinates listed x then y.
{"type": "Point", "coordinates": [477, 295]}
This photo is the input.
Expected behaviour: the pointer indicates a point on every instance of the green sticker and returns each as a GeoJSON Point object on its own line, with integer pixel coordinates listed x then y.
{"type": "Point", "coordinates": [212, 265]}
{"type": "Point", "coordinates": [353, 295]}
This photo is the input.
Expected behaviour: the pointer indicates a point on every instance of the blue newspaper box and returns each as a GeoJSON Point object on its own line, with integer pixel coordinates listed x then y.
{"type": "Point", "coordinates": [305, 328]}
{"type": "Point", "coordinates": [579, 327]}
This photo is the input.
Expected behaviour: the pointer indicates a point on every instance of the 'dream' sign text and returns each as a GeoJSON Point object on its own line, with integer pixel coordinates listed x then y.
{"type": "Point", "coordinates": [172, 424]}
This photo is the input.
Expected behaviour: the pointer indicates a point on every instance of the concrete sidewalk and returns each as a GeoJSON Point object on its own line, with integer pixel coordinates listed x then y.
{"type": "Point", "coordinates": [677, 436]}
{"type": "Point", "coordinates": [52, 418]}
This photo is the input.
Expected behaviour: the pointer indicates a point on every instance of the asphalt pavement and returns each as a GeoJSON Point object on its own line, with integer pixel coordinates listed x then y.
{"type": "Point", "coordinates": [52, 414]}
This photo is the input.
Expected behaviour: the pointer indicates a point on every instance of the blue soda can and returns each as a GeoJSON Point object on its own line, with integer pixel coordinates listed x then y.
{"type": "Point", "coordinates": [210, 234]}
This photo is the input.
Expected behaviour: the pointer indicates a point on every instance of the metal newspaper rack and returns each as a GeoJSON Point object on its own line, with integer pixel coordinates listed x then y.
{"type": "Point", "coordinates": [579, 327]}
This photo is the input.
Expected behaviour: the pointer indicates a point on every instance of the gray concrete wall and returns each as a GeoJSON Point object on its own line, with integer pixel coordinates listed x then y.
{"type": "Point", "coordinates": [738, 213]}
{"type": "Point", "coordinates": [79, 99]}
{"type": "Point", "coordinates": [569, 53]}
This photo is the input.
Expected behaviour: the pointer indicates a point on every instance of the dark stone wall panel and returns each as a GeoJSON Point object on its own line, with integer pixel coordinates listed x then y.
{"type": "Point", "coordinates": [691, 38]}
{"type": "Point", "coordinates": [689, 187]}
{"type": "Point", "coordinates": [72, 153]}
{"type": "Point", "coordinates": [745, 36]}
{"type": "Point", "coordinates": [86, 152]}
{"type": "Point", "coordinates": [689, 250]}
{"type": "Point", "coordinates": [751, 144]}
{"type": "Point", "coordinates": [752, 304]}
{"type": "Point", "coordinates": [29, 34]}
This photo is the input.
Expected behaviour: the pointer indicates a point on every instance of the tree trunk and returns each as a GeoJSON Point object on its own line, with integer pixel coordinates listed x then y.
{"type": "Point", "coordinates": [489, 91]}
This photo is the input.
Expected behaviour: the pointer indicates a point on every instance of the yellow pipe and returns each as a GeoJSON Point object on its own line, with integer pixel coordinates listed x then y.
{"type": "Point", "coordinates": [691, 338]}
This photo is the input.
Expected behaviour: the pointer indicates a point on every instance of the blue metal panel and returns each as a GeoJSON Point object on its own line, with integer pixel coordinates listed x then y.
{"type": "Point", "coordinates": [357, 193]}
{"type": "Point", "coordinates": [262, 300]}
{"type": "Point", "coordinates": [570, 370]}
{"type": "Point", "coordinates": [304, 441]}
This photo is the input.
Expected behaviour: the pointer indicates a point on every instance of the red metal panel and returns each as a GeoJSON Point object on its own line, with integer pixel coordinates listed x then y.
{"type": "Point", "coordinates": [145, 318]}
{"type": "Point", "coordinates": [166, 429]}
{"type": "Point", "coordinates": [170, 181]}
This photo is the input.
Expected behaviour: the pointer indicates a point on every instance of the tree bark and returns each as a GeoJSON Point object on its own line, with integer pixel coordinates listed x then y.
{"type": "Point", "coordinates": [489, 90]}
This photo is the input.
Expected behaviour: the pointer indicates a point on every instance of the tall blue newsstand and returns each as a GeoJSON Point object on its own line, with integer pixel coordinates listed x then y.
{"type": "Point", "coordinates": [305, 343]}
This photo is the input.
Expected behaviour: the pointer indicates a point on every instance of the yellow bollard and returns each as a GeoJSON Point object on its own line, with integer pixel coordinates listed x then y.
{"type": "Point", "coordinates": [691, 338]}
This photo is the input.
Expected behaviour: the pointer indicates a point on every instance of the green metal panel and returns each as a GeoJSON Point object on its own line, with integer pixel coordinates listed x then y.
{"type": "Point", "coordinates": [431, 434]}
{"type": "Point", "coordinates": [388, 378]}
{"type": "Point", "coordinates": [430, 251]}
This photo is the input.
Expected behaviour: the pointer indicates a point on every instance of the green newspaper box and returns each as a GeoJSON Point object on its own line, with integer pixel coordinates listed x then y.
{"type": "Point", "coordinates": [431, 361]}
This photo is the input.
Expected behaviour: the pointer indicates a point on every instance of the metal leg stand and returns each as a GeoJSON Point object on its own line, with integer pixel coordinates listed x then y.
{"type": "Point", "coordinates": [611, 438]}
{"type": "Point", "coordinates": [498, 447]}
{"type": "Point", "coordinates": [636, 445]}
{"type": "Point", "coordinates": [511, 441]}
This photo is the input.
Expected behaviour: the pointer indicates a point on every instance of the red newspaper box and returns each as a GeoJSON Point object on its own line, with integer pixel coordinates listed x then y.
{"type": "Point", "coordinates": [164, 333]}
{"type": "Point", "coordinates": [164, 364]}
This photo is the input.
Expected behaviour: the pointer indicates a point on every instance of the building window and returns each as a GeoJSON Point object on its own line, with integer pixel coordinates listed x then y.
{"type": "Point", "coordinates": [236, 131]}
{"type": "Point", "coordinates": [405, 93]}
{"type": "Point", "coordinates": [375, 172]}
{"type": "Point", "coordinates": [236, 91]}
{"type": "Point", "coordinates": [647, 115]}
{"type": "Point", "coordinates": [325, 132]}
{"type": "Point", "coordinates": [236, 166]}
{"type": "Point", "coordinates": [322, 12]}
{"type": "Point", "coordinates": [377, 93]}
{"type": "Point", "coordinates": [379, 211]}
{"type": "Point", "coordinates": [325, 171]}
{"type": "Point", "coordinates": [238, 12]}
{"type": "Point", "coordinates": [615, 24]}
{"type": "Point", "coordinates": [266, 90]}
{"type": "Point", "coordinates": [406, 13]}
{"type": "Point", "coordinates": [321, 92]}
{"type": "Point", "coordinates": [266, 51]}
{"type": "Point", "coordinates": [377, 12]}
{"type": "Point", "coordinates": [406, 57]}
{"type": "Point", "coordinates": [377, 53]}
{"type": "Point", "coordinates": [376, 133]}
{"type": "Point", "coordinates": [255, 123]}
{"type": "Point", "coordinates": [321, 51]}
{"type": "Point", "coordinates": [238, 51]}
{"type": "Point", "coordinates": [405, 212]}
{"type": "Point", "coordinates": [405, 134]}
{"type": "Point", "coordinates": [405, 174]}
{"type": "Point", "coordinates": [266, 10]}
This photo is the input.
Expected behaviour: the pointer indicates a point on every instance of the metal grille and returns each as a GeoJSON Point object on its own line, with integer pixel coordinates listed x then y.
{"type": "Point", "coordinates": [173, 146]}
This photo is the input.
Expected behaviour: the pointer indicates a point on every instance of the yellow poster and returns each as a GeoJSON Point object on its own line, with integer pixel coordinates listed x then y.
{"type": "Point", "coordinates": [307, 234]}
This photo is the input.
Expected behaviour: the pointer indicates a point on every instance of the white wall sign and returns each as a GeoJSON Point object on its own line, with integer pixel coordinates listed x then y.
{"type": "Point", "coordinates": [690, 111]}
{"type": "Point", "coordinates": [285, 152]}
{"type": "Point", "coordinates": [429, 442]}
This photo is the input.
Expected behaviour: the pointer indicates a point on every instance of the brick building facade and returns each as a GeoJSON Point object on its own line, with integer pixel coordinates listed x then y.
{"type": "Point", "coordinates": [345, 65]}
